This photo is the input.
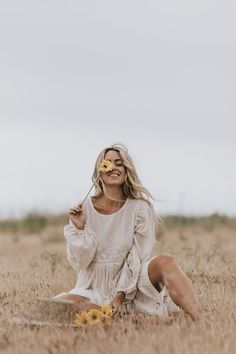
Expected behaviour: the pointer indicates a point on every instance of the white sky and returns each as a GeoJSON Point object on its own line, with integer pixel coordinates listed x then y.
{"type": "Point", "coordinates": [77, 76]}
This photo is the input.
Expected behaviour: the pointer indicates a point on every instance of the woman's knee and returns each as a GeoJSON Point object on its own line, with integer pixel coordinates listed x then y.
{"type": "Point", "coordinates": [162, 268]}
{"type": "Point", "coordinates": [159, 265]}
{"type": "Point", "coordinates": [165, 261]}
{"type": "Point", "coordinates": [166, 257]}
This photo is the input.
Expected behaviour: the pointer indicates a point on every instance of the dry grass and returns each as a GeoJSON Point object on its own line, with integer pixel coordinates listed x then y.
{"type": "Point", "coordinates": [35, 265]}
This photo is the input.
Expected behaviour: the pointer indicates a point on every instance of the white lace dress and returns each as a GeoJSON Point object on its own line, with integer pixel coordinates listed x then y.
{"type": "Point", "coordinates": [112, 254]}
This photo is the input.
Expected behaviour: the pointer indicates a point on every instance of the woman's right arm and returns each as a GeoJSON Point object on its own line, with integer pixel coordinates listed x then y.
{"type": "Point", "coordinates": [81, 241]}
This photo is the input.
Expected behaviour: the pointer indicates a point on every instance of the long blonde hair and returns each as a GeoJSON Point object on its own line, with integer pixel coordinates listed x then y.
{"type": "Point", "coordinates": [132, 186]}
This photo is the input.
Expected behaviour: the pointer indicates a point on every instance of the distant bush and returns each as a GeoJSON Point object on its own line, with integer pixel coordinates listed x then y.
{"type": "Point", "coordinates": [209, 222]}
{"type": "Point", "coordinates": [32, 223]}
{"type": "Point", "coordinates": [36, 223]}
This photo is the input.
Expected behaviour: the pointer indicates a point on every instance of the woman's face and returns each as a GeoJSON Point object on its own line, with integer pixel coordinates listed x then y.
{"type": "Point", "coordinates": [117, 175]}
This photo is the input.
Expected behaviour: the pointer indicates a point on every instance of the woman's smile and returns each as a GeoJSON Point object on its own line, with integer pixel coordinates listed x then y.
{"type": "Point", "coordinates": [114, 174]}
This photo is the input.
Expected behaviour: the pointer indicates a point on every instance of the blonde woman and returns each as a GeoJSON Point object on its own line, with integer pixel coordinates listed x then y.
{"type": "Point", "coordinates": [109, 242]}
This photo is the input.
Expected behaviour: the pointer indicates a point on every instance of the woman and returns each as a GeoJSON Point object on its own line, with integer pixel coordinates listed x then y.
{"type": "Point", "coordinates": [109, 241]}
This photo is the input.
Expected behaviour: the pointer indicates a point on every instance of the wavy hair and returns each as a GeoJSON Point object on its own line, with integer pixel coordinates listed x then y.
{"type": "Point", "coordinates": [132, 186]}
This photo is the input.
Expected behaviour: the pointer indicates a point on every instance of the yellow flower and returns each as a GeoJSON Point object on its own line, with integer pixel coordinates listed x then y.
{"type": "Point", "coordinates": [106, 310]}
{"type": "Point", "coordinates": [105, 166]}
{"type": "Point", "coordinates": [82, 319]}
{"type": "Point", "coordinates": [94, 315]}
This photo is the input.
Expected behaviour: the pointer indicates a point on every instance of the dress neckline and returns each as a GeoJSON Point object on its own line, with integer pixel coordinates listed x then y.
{"type": "Point", "coordinates": [107, 215]}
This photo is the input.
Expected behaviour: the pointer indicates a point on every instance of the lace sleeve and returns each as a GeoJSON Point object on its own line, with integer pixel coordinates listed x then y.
{"type": "Point", "coordinates": [145, 228]}
{"type": "Point", "coordinates": [81, 246]}
{"type": "Point", "coordinates": [144, 240]}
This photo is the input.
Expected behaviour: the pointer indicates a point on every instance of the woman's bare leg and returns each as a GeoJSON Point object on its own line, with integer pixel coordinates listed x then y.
{"type": "Point", "coordinates": [164, 270]}
{"type": "Point", "coordinates": [81, 303]}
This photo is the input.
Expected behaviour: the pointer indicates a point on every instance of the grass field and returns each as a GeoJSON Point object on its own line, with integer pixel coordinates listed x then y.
{"type": "Point", "coordinates": [33, 264]}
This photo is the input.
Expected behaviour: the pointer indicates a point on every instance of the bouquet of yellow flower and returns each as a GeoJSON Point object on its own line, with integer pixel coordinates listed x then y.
{"type": "Point", "coordinates": [105, 166]}
{"type": "Point", "coordinates": [94, 317]}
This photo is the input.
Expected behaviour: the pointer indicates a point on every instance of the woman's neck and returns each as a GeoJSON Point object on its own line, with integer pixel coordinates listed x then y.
{"type": "Point", "coordinates": [114, 194]}
{"type": "Point", "coordinates": [110, 202]}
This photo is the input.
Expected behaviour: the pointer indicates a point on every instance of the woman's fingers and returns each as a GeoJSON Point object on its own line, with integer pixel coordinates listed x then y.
{"type": "Point", "coordinates": [75, 210]}
{"type": "Point", "coordinates": [78, 208]}
{"type": "Point", "coordinates": [116, 311]}
{"type": "Point", "coordinates": [72, 211]}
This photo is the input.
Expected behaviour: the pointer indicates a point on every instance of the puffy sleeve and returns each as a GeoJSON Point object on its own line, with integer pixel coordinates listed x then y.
{"type": "Point", "coordinates": [81, 246]}
{"type": "Point", "coordinates": [144, 235]}
{"type": "Point", "coordinates": [144, 240]}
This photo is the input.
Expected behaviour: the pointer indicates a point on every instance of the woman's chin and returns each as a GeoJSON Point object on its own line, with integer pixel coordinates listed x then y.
{"type": "Point", "coordinates": [113, 183]}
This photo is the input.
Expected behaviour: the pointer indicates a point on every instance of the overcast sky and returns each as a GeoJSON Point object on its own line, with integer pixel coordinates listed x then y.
{"type": "Point", "coordinates": [77, 76]}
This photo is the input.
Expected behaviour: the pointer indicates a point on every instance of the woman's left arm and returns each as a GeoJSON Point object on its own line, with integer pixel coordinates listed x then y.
{"type": "Point", "coordinates": [144, 240]}
{"type": "Point", "coordinates": [145, 232]}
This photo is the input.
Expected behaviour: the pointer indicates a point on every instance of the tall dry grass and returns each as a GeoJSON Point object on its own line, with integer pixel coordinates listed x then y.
{"type": "Point", "coordinates": [33, 264]}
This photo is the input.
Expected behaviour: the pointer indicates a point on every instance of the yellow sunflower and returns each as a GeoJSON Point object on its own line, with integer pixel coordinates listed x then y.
{"type": "Point", "coordinates": [105, 166]}
{"type": "Point", "coordinates": [82, 319]}
{"type": "Point", "coordinates": [106, 310]}
{"type": "Point", "coordinates": [94, 315]}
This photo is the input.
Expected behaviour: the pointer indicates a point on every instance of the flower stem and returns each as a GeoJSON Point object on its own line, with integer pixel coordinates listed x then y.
{"type": "Point", "coordinates": [90, 190]}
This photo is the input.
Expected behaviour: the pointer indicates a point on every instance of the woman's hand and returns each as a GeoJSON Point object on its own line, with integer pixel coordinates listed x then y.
{"type": "Point", "coordinates": [77, 216]}
{"type": "Point", "coordinates": [117, 304]}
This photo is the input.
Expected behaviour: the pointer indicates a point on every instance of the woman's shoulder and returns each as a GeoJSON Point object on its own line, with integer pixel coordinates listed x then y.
{"type": "Point", "coordinates": [140, 205]}
{"type": "Point", "coordinates": [144, 213]}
